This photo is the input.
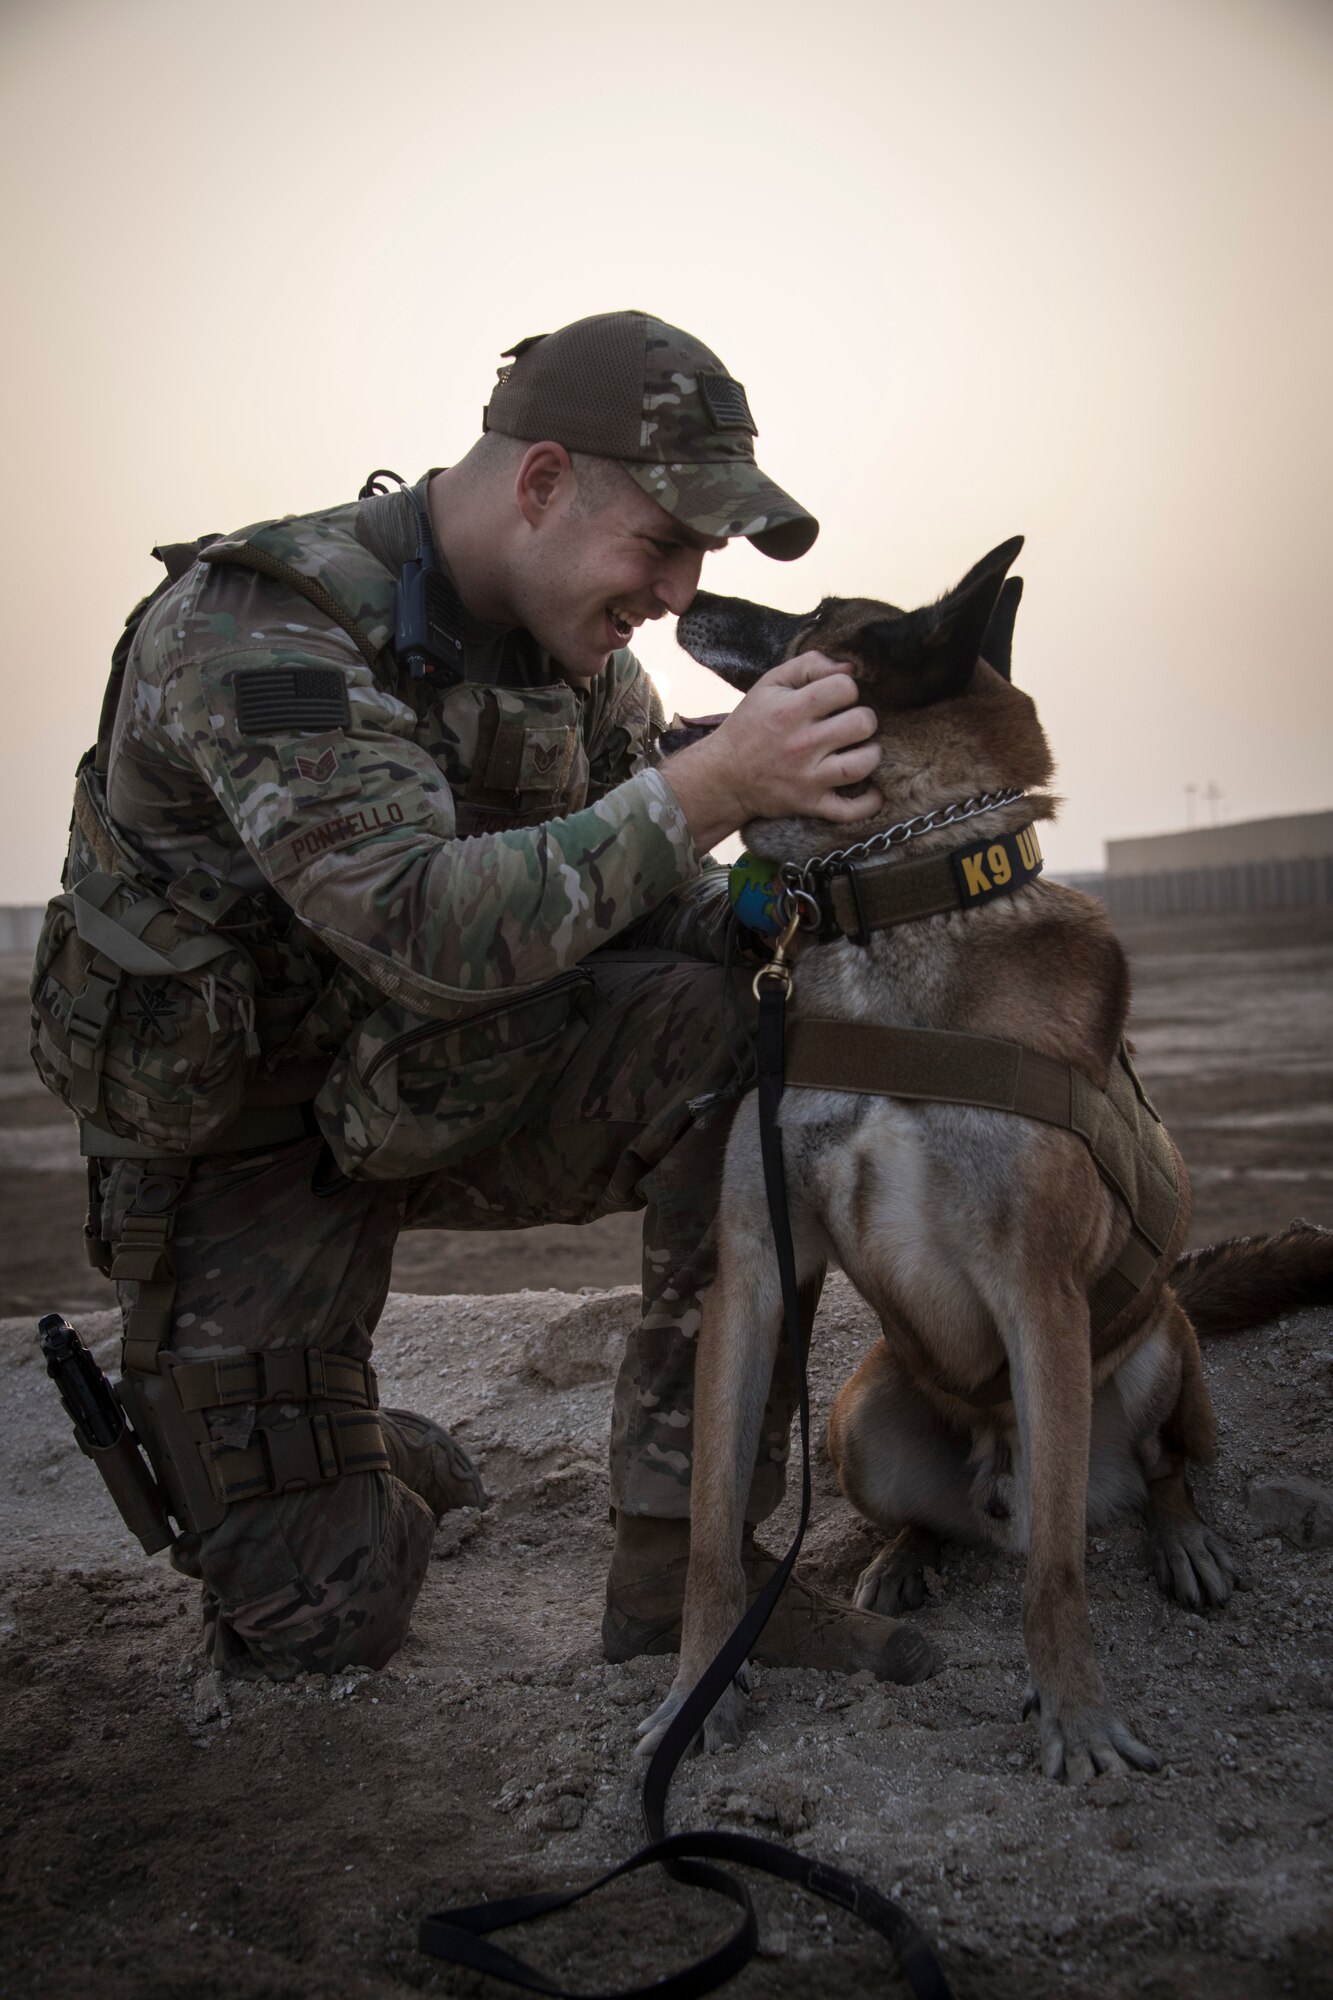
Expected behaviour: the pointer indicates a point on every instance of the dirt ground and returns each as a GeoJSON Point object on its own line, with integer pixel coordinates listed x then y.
{"type": "Point", "coordinates": [169, 1834]}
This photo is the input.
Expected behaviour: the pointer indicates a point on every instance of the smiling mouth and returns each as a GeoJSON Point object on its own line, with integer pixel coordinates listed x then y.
{"type": "Point", "coordinates": [621, 623]}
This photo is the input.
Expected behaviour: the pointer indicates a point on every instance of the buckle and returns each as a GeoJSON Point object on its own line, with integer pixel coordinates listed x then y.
{"type": "Point", "coordinates": [92, 1006]}
{"type": "Point", "coordinates": [847, 873]}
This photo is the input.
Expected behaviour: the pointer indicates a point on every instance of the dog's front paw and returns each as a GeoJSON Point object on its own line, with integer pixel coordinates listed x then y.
{"type": "Point", "coordinates": [722, 1725]}
{"type": "Point", "coordinates": [1084, 1743]}
{"type": "Point", "coordinates": [1192, 1564]}
{"type": "Point", "coordinates": [889, 1587]}
{"type": "Point", "coordinates": [894, 1582]}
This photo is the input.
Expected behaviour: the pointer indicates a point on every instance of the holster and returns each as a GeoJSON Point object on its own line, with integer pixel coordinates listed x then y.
{"type": "Point", "coordinates": [138, 1496]}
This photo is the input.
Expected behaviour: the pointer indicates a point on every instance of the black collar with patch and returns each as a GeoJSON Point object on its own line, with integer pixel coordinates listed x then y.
{"type": "Point", "coordinates": [857, 898]}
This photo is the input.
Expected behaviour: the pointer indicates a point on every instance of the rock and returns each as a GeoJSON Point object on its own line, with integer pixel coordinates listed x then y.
{"type": "Point", "coordinates": [584, 1345]}
{"type": "Point", "coordinates": [210, 1704]}
{"type": "Point", "coordinates": [560, 1814]}
{"type": "Point", "coordinates": [459, 1525]}
{"type": "Point", "coordinates": [1295, 1508]}
{"type": "Point", "coordinates": [777, 1800]}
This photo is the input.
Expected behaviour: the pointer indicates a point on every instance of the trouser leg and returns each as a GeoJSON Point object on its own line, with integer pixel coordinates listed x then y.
{"type": "Point", "coordinates": [652, 1416]}
{"type": "Point", "coordinates": [638, 1118]}
{"type": "Point", "coordinates": [325, 1577]}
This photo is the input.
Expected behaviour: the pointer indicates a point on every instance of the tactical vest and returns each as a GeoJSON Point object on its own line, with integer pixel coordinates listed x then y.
{"type": "Point", "coordinates": [188, 1018]}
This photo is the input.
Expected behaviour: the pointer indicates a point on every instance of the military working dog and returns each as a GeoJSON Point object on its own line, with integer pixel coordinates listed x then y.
{"type": "Point", "coordinates": [1012, 1398]}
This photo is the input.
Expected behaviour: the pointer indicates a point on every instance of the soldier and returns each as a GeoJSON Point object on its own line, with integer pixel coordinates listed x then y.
{"type": "Point", "coordinates": [382, 917]}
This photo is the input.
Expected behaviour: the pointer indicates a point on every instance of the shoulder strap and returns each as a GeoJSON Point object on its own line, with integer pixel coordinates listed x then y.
{"type": "Point", "coordinates": [247, 555]}
{"type": "Point", "coordinates": [177, 557]}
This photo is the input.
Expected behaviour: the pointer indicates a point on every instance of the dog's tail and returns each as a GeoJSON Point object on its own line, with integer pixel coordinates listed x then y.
{"type": "Point", "coordinates": [1250, 1279]}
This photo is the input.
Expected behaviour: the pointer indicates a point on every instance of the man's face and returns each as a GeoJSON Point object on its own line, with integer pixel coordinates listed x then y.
{"type": "Point", "coordinates": [590, 575]}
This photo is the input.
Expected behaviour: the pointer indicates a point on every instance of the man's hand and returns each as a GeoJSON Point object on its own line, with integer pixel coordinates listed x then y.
{"type": "Point", "coordinates": [782, 753]}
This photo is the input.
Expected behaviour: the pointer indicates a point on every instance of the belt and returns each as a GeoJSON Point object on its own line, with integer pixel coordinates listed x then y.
{"type": "Point", "coordinates": [254, 1126]}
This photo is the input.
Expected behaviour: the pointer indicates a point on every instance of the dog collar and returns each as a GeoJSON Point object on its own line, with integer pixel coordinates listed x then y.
{"type": "Point", "coordinates": [846, 896]}
{"type": "Point", "coordinates": [862, 897]}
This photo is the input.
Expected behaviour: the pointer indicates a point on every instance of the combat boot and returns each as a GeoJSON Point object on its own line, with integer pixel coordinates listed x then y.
{"type": "Point", "coordinates": [645, 1595]}
{"type": "Point", "coordinates": [435, 1466]}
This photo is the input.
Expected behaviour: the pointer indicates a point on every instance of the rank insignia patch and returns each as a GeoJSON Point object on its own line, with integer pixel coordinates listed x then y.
{"type": "Point", "coordinates": [317, 764]}
{"type": "Point", "coordinates": [318, 770]}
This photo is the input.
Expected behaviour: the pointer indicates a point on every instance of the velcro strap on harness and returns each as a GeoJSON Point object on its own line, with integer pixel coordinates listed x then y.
{"type": "Point", "coordinates": [311, 1452]}
{"type": "Point", "coordinates": [1121, 1285]}
{"type": "Point", "coordinates": [276, 1375]}
{"type": "Point", "coordinates": [943, 1068]}
{"type": "Point", "coordinates": [1117, 1124]}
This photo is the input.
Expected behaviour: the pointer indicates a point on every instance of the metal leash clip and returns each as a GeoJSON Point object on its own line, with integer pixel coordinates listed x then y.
{"type": "Point", "coordinates": [778, 968]}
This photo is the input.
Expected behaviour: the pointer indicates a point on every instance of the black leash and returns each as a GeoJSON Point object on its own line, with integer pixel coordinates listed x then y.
{"type": "Point", "coordinates": [462, 1936]}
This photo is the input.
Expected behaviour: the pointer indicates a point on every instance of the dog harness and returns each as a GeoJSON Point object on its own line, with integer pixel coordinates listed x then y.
{"type": "Point", "coordinates": [856, 891]}
{"type": "Point", "coordinates": [1116, 1122]}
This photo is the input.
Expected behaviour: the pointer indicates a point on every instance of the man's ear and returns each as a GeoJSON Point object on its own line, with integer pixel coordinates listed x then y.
{"type": "Point", "coordinates": [930, 655]}
{"type": "Point", "coordinates": [737, 639]}
{"type": "Point", "coordinates": [541, 477]}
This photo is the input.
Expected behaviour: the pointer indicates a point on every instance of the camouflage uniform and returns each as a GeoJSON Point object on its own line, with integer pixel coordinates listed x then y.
{"type": "Point", "coordinates": [479, 916]}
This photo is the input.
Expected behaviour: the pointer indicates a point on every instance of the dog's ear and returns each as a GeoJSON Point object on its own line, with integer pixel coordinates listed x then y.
{"type": "Point", "coordinates": [686, 729]}
{"type": "Point", "coordinates": [930, 655]}
{"type": "Point", "coordinates": [738, 640]}
{"type": "Point", "coordinates": [998, 642]}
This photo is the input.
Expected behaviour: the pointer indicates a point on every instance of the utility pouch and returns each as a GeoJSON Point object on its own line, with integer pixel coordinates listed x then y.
{"type": "Point", "coordinates": [410, 1093]}
{"type": "Point", "coordinates": [143, 1008]}
{"type": "Point", "coordinates": [515, 756]}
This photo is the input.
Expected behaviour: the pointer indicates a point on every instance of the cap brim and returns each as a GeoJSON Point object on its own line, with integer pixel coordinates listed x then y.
{"type": "Point", "coordinates": [729, 497]}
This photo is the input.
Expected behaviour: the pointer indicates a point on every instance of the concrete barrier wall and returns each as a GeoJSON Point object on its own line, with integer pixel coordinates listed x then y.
{"type": "Point", "coordinates": [1288, 837]}
{"type": "Point", "coordinates": [19, 925]}
{"type": "Point", "coordinates": [1250, 885]}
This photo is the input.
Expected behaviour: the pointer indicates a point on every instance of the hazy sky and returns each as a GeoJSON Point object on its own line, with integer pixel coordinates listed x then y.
{"type": "Point", "coordinates": [1057, 267]}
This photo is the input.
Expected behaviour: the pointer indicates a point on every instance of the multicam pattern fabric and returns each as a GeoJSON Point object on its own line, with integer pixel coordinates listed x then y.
{"type": "Point", "coordinates": [690, 449]}
{"type": "Point", "coordinates": [608, 1087]}
{"type": "Point", "coordinates": [636, 1117]}
{"type": "Point", "coordinates": [706, 475]}
{"type": "Point", "coordinates": [357, 828]}
{"type": "Point", "coordinates": [448, 849]}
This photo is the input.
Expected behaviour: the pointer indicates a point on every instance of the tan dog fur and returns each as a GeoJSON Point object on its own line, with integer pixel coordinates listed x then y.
{"type": "Point", "coordinates": [987, 1411]}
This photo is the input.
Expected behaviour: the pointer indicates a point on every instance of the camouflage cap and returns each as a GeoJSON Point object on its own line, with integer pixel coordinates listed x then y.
{"type": "Point", "coordinates": [626, 386]}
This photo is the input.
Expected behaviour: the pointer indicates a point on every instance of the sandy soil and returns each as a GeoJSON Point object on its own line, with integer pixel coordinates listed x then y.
{"type": "Point", "coordinates": [168, 1834]}
{"type": "Point", "coordinates": [172, 1834]}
